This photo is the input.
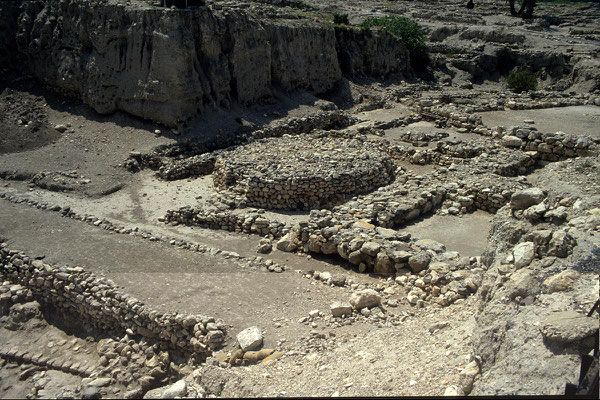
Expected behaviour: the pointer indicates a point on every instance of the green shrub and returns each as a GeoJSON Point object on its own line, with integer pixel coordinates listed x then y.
{"type": "Point", "coordinates": [341, 19]}
{"type": "Point", "coordinates": [521, 81]}
{"type": "Point", "coordinates": [408, 30]}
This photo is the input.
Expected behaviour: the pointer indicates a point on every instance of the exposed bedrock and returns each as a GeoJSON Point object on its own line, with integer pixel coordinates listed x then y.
{"type": "Point", "coordinates": [541, 281]}
{"type": "Point", "coordinates": [494, 61]}
{"type": "Point", "coordinates": [168, 65]}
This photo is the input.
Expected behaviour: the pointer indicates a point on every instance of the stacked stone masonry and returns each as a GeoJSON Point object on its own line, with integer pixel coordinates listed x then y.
{"type": "Point", "coordinates": [99, 302]}
{"type": "Point", "coordinates": [341, 232]}
{"type": "Point", "coordinates": [301, 172]}
{"type": "Point", "coordinates": [546, 146]}
{"type": "Point", "coordinates": [196, 158]}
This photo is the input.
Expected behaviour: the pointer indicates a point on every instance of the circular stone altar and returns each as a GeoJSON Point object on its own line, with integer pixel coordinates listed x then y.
{"type": "Point", "coordinates": [301, 172]}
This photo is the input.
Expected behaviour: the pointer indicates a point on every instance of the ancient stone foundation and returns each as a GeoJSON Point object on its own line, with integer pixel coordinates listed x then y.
{"type": "Point", "coordinates": [97, 301]}
{"type": "Point", "coordinates": [301, 172]}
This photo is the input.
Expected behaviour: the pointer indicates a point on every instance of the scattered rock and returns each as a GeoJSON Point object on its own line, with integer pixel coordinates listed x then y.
{"type": "Point", "coordinates": [264, 246]}
{"type": "Point", "coordinates": [438, 326]}
{"type": "Point", "coordinates": [91, 392]}
{"type": "Point", "coordinates": [453, 391]}
{"type": "Point", "coordinates": [341, 309]}
{"type": "Point", "coordinates": [60, 128]}
{"type": "Point", "coordinates": [325, 276]}
{"type": "Point", "coordinates": [338, 280]}
{"type": "Point", "coordinates": [524, 253]}
{"type": "Point", "coordinates": [100, 382]}
{"type": "Point", "coordinates": [273, 357]}
{"type": "Point", "coordinates": [562, 281]}
{"type": "Point", "coordinates": [178, 389]}
{"type": "Point", "coordinates": [467, 376]}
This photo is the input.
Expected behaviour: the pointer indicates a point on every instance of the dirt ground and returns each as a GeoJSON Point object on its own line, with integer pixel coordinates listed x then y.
{"type": "Point", "coordinates": [173, 279]}
{"type": "Point", "coordinates": [582, 120]}
{"type": "Point", "coordinates": [404, 351]}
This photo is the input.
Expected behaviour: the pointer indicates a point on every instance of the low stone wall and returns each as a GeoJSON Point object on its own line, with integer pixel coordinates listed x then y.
{"type": "Point", "coordinates": [297, 172]}
{"type": "Point", "coordinates": [452, 114]}
{"type": "Point", "coordinates": [199, 165]}
{"type": "Point", "coordinates": [324, 120]}
{"type": "Point", "coordinates": [98, 301]}
{"type": "Point", "coordinates": [246, 223]}
{"type": "Point", "coordinates": [341, 232]}
{"type": "Point", "coordinates": [162, 157]}
{"type": "Point", "coordinates": [546, 146]}
{"type": "Point", "coordinates": [25, 357]}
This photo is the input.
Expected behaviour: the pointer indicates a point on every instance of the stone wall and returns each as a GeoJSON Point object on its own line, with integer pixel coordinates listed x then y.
{"type": "Point", "coordinates": [243, 222]}
{"type": "Point", "coordinates": [546, 146]}
{"type": "Point", "coordinates": [199, 165]}
{"type": "Point", "coordinates": [197, 162]}
{"type": "Point", "coordinates": [97, 301]}
{"type": "Point", "coordinates": [340, 232]}
{"type": "Point", "coordinates": [298, 172]}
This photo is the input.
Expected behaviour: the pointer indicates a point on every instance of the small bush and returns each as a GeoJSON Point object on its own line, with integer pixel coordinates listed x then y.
{"type": "Point", "coordinates": [341, 19]}
{"type": "Point", "coordinates": [521, 81]}
{"type": "Point", "coordinates": [408, 30]}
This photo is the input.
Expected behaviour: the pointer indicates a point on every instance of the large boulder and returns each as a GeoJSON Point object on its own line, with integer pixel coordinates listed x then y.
{"type": "Point", "coordinates": [419, 261]}
{"type": "Point", "coordinates": [288, 243]}
{"type": "Point", "coordinates": [524, 253]}
{"type": "Point", "coordinates": [568, 326]}
{"type": "Point", "coordinates": [384, 265]}
{"type": "Point", "coordinates": [26, 311]}
{"type": "Point", "coordinates": [561, 282]}
{"type": "Point", "coordinates": [512, 141]}
{"type": "Point", "coordinates": [178, 389]}
{"type": "Point", "coordinates": [522, 199]}
{"type": "Point", "coordinates": [250, 338]}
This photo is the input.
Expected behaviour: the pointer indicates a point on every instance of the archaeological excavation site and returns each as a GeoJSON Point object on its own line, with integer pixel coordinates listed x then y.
{"type": "Point", "coordinates": [299, 198]}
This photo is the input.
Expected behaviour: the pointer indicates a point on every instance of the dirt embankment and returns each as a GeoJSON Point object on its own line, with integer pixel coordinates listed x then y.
{"type": "Point", "coordinates": [167, 65]}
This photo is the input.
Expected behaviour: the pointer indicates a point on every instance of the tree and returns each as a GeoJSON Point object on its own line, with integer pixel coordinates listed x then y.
{"type": "Point", "coordinates": [526, 10]}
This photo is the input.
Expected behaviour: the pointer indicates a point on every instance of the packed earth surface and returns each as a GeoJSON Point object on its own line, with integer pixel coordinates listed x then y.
{"type": "Point", "coordinates": [270, 198]}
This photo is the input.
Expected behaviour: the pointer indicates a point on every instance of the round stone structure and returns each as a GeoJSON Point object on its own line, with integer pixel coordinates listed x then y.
{"type": "Point", "coordinates": [301, 172]}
